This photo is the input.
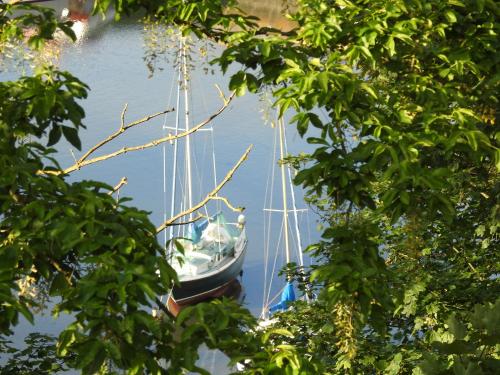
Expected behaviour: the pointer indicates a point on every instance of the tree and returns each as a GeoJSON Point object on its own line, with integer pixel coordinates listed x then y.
{"type": "Point", "coordinates": [98, 258]}
{"type": "Point", "coordinates": [405, 174]}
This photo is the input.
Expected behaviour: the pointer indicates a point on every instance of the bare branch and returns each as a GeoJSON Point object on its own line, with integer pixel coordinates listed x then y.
{"type": "Point", "coordinates": [122, 122]}
{"type": "Point", "coordinates": [229, 205]}
{"type": "Point", "coordinates": [222, 96]}
{"type": "Point", "coordinates": [210, 196]}
{"type": "Point", "coordinates": [84, 161]}
{"type": "Point", "coordinates": [198, 217]}
{"type": "Point", "coordinates": [122, 182]}
{"type": "Point", "coordinates": [122, 129]}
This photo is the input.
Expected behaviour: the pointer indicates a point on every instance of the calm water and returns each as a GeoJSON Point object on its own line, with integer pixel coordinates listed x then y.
{"type": "Point", "coordinates": [109, 58]}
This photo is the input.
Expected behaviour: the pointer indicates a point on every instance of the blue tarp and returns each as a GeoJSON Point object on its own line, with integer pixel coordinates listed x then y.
{"type": "Point", "coordinates": [194, 232]}
{"type": "Point", "coordinates": [287, 296]}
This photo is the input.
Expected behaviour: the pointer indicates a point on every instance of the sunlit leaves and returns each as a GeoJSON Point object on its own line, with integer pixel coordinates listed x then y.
{"type": "Point", "coordinates": [402, 87]}
{"type": "Point", "coordinates": [242, 81]}
{"type": "Point", "coordinates": [16, 18]}
{"type": "Point", "coordinates": [44, 102]}
{"type": "Point", "coordinates": [399, 100]}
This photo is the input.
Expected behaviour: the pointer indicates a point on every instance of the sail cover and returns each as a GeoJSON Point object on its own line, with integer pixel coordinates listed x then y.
{"type": "Point", "coordinates": [287, 296]}
{"type": "Point", "coordinates": [212, 229]}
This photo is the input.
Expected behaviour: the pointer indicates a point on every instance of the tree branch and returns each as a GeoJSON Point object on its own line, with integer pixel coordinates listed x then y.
{"type": "Point", "coordinates": [122, 129]}
{"type": "Point", "coordinates": [84, 161]}
{"type": "Point", "coordinates": [210, 196]}
{"type": "Point", "coordinates": [229, 205]}
{"type": "Point", "coordinates": [198, 217]}
{"type": "Point", "coordinates": [122, 182]}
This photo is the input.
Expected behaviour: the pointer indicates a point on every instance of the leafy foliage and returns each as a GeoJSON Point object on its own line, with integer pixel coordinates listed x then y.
{"type": "Point", "coordinates": [404, 173]}
{"type": "Point", "coordinates": [97, 259]}
{"type": "Point", "coordinates": [405, 169]}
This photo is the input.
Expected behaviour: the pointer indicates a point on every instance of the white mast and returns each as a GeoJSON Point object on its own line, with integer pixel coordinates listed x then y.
{"type": "Point", "coordinates": [281, 126]}
{"type": "Point", "coordinates": [174, 170]}
{"type": "Point", "coordinates": [186, 119]}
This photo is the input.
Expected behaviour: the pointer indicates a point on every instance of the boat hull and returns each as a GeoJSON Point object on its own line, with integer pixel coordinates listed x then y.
{"type": "Point", "coordinates": [195, 289]}
{"type": "Point", "coordinates": [232, 289]}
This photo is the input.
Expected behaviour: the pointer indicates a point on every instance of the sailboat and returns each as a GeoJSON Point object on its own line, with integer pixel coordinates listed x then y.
{"type": "Point", "coordinates": [213, 249]}
{"type": "Point", "coordinates": [290, 231]}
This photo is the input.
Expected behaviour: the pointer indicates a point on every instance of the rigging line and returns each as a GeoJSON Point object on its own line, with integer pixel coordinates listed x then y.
{"type": "Point", "coordinates": [275, 296]}
{"type": "Point", "coordinates": [165, 238]}
{"type": "Point", "coordinates": [185, 202]}
{"type": "Point", "coordinates": [204, 104]}
{"type": "Point", "coordinates": [205, 107]}
{"type": "Point", "coordinates": [218, 204]}
{"type": "Point", "coordinates": [294, 205]}
{"type": "Point", "coordinates": [308, 223]}
{"type": "Point", "coordinates": [174, 167]}
{"type": "Point", "coordinates": [273, 273]}
{"type": "Point", "coordinates": [276, 253]}
{"type": "Point", "coordinates": [268, 201]}
{"type": "Point", "coordinates": [197, 171]}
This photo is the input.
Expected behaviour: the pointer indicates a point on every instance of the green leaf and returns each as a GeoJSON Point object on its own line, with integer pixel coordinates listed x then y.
{"type": "Point", "coordinates": [450, 16]}
{"type": "Point", "coordinates": [455, 347]}
{"type": "Point", "coordinates": [390, 46]}
{"type": "Point", "coordinates": [237, 83]}
{"type": "Point", "coordinates": [66, 338]}
{"type": "Point", "coordinates": [88, 352]}
{"type": "Point", "coordinates": [323, 81]}
{"type": "Point", "coordinates": [58, 285]}
{"type": "Point", "coordinates": [369, 90]}
{"type": "Point", "coordinates": [458, 329]}
{"type": "Point", "coordinates": [276, 331]}
{"type": "Point", "coordinates": [54, 135]}
{"type": "Point", "coordinates": [404, 117]}
{"type": "Point", "coordinates": [265, 48]}
{"type": "Point", "coordinates": [23, 309]}
{"type": "Point", "coordinates": [405, 197]}
{"type": "Point", "coordinates": [71, 135]}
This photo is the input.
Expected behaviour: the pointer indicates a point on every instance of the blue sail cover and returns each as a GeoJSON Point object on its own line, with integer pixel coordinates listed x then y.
{"type": "Point", "coordinates": [195, 229]}
{"type": "Point", "coordinates": [194, 232]}
{"type": "Point", "coordinates": [287, 296]}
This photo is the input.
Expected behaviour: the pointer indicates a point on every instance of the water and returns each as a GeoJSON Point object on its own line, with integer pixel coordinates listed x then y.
{"type": "Point", "coordinates": [109, 58]}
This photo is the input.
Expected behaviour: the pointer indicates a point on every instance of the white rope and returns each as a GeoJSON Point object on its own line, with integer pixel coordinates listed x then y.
{"type": "Point", "coordinates": [309, 237]}
{"type": "Point", "coordinates": [218, 203]}
{"type": "Point", "coordinates": [273, 272]}
{"type": "Point", "coordinates": [272, 275]}
{"type": "Point", "coordinates": [268, 201]}
{"type": "Point", "coordinates": [199, 169]}
{"type": "Point", "coordinates": [294, 205]}
{"type": "Point", "coordinates": [211, 137]}
{"type": "Point", "coordinates": [266, 307]}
